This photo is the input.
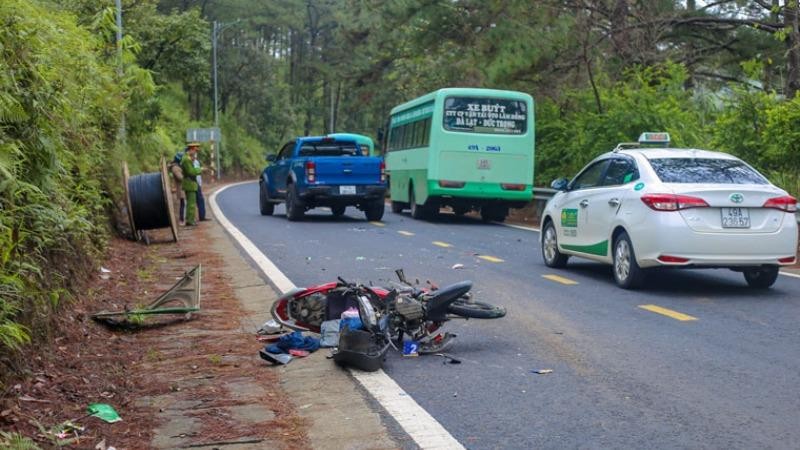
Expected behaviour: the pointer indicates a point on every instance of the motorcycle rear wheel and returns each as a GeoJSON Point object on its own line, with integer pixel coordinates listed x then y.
{"type": "Point", "coordinates": [476, 310]}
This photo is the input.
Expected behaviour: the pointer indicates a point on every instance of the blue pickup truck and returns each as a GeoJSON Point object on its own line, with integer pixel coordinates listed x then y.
{"type": "Point", "coordinates": [323, 171]}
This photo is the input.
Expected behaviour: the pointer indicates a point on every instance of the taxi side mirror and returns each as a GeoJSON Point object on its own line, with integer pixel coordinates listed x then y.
{"type": "Point", "coordinates": [560, 184]}
{"type": "Point", "coordinates": [271, 157]}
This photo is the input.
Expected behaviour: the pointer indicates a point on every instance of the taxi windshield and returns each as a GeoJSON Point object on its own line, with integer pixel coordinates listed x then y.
{"type": "Point", "coordinates": [705, 170]}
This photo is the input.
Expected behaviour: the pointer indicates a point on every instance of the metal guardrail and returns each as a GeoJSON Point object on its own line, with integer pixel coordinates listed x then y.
{"type": "Point", "coordinates": [542, 195]}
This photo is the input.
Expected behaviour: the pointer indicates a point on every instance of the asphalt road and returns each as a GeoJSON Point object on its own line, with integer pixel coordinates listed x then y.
{"type": "Point", "coordinates": [623, 376]}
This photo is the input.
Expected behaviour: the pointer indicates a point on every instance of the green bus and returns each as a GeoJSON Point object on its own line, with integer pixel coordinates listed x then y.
{"type": "Point", "coordinates": [469, 149]}
{"type": "Point", "coordinates": [365, 143]}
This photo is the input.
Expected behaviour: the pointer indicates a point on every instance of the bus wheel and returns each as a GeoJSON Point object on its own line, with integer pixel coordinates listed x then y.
{"type": "Point", "coordinates": [493, 213]}
{"type": "Point", "coordinates": [397, 207]}
{"type": "Point", "coordinates": [418, 212]}
{"type": "Point", "coordinates": [460, 210]}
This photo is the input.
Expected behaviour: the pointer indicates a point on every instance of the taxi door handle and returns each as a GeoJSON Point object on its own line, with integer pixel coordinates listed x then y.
{"type": "Point", "coordinates": [584, 203]}
{"type": "Point", "coordinates": [614, 202]}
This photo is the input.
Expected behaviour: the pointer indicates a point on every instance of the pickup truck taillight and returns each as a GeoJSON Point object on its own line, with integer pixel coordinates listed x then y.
{"type": "Point", "coordinates": [383, 172]}
{"type": "Point", "coordinates": [311, 171]}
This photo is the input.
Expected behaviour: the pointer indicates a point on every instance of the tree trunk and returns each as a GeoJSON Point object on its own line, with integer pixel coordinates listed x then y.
{"type": "Point", "coordinates": [793, 49]}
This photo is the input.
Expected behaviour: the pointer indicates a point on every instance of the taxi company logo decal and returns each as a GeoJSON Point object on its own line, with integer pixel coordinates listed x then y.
{"type": "Point", "coordinates": [569, 218]}
{"type": "Point", "coordinates": [737, 198]}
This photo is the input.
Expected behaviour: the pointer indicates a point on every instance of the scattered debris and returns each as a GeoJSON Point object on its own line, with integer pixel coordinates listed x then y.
{"type": "Point", "coordinates": [28, 398]}
{"type": "Point", "coordinates": [449, 359]}
{"type": "Point", "coordinates": [542, 371]}
{"type": "Point", "coordinates": [104, 412]}
{"type": "Point", "coordinates": [360, 258]}
{"type": "Point", "coordinates": [185, 292]}
{"type": "Point", "coordinates": [295, 341]}
{"type": "Point", "coordinates": [457, 266]}
{"type": "Point", "coordinates": [410, 348]}
{"type": "Point", "coordinates": [270, 327]}
{"type": "Point", "coordinates": [275, 358]}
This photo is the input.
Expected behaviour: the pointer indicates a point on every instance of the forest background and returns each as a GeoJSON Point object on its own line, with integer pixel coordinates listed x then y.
{"type": "Point", "coordinates": [719, 74]}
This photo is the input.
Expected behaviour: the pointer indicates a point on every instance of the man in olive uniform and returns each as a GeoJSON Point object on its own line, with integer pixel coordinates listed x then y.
{"type": "Point", "coordinates": [189, 183]}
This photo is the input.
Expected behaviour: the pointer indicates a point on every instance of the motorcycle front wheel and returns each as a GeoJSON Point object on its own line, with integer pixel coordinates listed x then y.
{"type": "Point", "coordinates": [476, 310]}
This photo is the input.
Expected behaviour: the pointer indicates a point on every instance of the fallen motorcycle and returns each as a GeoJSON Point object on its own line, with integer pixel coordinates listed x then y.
{"type": "Point", "coordinates": [387, 314]}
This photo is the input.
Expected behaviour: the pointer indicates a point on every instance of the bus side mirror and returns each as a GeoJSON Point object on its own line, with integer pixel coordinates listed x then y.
{"type": "Point", "coordinates": [271, 157]}
{"type": "Point", "coordinates": [560, 184]}
{"type": "Point", "coordinates": [380, 134]}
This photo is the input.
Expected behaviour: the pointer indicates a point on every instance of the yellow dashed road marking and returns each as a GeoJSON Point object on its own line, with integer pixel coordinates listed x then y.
{"type": "Point", "coordinates": [406, 233]}
{"type": "Point", "coordinates": [490, 258]}
{"type": "Point", "coordinates": [559, 279]}
{"type": "Point", "coordinates": [668, 312]}
{"type": "Point", "coordinates": [378, 224]}
{"type": "Point", "coordinates": [441, 244]}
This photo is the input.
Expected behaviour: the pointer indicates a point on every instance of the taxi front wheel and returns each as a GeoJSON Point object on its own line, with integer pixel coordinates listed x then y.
{"type": "Point", "coordinates": [627, 272]}
{"type": "Point", "coordinates": [552, 257]}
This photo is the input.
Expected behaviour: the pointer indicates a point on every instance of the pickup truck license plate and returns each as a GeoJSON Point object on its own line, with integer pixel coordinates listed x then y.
{"type": "Point", "coordinates": [347, 190]}
{"type": "Point", "coordinates": [735, 218]}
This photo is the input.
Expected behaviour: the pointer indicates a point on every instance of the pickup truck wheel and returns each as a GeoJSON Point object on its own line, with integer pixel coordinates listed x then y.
{"type": "Point", "coordinates": [374, 211]}
{"type": "Point", "coordinates": [294, 206]}
{"type": "Point", "coordinates": [338, 211]}
{"type": "Point", "coordinates": [266, 206]}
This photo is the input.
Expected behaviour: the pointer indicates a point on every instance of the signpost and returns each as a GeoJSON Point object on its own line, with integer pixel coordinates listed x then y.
{"type": "Point", "coordinates": [212, 135]}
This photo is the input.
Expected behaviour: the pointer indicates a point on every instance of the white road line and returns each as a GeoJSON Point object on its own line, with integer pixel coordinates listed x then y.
{"type": "Point", "coordinates": [421, 426]}
{"type": "Point", "coordinates": [519, 227]}
{"type": "Point", "coordinates": [793, 275]}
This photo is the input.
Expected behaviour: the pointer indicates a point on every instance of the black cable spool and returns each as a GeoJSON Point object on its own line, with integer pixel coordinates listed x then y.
{"type": "Point", "coordinates": [148, 205]}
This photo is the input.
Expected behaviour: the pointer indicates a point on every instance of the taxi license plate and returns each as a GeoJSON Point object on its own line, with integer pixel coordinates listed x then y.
{"type": "Point", "coordinates": [484, 164]}
{"type": "Point", "coordinates": [347, 190]}
{"type": "Point", "coordinates": [735, 218]}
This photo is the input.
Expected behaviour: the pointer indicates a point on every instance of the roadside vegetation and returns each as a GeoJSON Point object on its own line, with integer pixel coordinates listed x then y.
{"type": "Point", "coordinates": [722, 75]}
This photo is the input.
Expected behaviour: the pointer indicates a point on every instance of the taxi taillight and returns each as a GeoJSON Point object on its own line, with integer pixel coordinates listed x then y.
{"type": "Point", "coordinates": [786, 203]}
{"type": "Point", "coordinates": [672, 202]}
{"type": "Point", "coordinates": [512, 186]}
{"type": "Point", "coordinates": [311, 171]}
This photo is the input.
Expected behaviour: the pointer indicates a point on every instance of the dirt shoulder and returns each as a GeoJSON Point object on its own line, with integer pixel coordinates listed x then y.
{"type": "Point", "coordinates": [196, 383]}
{"type": "Point", "coordinates": [198, 367]}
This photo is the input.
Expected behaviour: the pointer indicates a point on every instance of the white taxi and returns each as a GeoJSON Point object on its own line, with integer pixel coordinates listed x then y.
{"type": "Point", "coordinates": [638, 207]}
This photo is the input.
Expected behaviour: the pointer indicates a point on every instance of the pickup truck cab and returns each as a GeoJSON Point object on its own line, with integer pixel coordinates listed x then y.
{"type": "Point", "coordinates": [323, 171]}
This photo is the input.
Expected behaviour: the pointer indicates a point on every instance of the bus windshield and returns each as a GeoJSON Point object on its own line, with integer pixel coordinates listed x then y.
{"type": "Point", "coordinates": [485, 115]}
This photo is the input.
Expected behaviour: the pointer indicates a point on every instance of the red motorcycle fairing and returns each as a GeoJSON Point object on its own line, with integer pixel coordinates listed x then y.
{"type": "Point", "coordinates": [281, 308]}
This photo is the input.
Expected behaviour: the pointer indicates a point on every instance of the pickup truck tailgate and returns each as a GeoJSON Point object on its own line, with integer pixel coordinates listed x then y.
{"type": "Point", "coordinates": [348, 170]}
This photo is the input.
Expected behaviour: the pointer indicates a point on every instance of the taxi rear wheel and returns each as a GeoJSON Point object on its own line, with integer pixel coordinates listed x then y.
{"type": "Point", "coordinates": [627, 272]}
{"type": "Point", "coordinates": [552, 257]}
{"type": "Point", "coordinates": [761, 278]}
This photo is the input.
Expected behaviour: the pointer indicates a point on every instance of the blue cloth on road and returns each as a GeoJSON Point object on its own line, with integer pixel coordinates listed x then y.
{"type": "Point", "coordinates": [353, 323]}
{"type": "Point", "coordinates": [296, 341]}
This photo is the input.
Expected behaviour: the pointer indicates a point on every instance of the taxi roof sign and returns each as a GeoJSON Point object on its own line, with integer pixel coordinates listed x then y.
{"type": "Point", "coordinates": [658, 138]}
